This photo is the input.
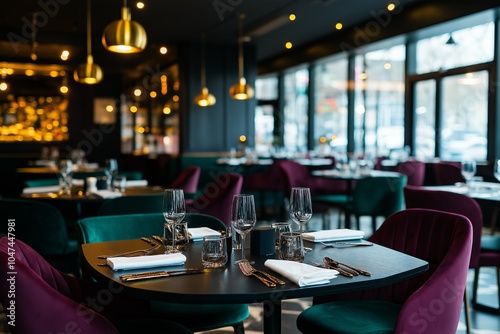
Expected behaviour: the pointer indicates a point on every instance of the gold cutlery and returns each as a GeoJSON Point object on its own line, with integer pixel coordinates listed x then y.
{"type": "Point", "coordinates": [249, 267]}
{"type": "Point", "coordinates": [146, 251]}
{"type": "Point", "coordinates": [345, 244]}
{"type": "Point", "coordinates": [158, 274]}
{"type": "Point", "coordinates": [342, 271]}
{"type": "Point", "coordinates": [248, 272]}
{"type": "Point", "coordinates": [336, 265]}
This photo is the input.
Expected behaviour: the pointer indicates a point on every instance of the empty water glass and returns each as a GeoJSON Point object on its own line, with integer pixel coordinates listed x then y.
{"type": "Point", "coordinates": [214, 251]}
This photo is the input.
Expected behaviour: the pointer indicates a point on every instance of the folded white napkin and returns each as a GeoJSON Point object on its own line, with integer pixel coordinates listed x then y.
{"type": "Point", "coordinates": [42, 189]}
{"type": "Point", "coordinates": [300, 273]}
{"type": "Point", "coordinates": [333, 235]}
{"type": "Point", "coordinates": [197, 233]}
{"type": "Point", "coordinates": [149, 261]}
{"type": "Point", "coordinates": [107, 193]}
{"type": "Point", "coordinates": [137, 183]}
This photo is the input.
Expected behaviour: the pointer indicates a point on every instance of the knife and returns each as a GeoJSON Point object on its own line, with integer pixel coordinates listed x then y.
{"type": "Point", "coordinates": [162, 273]}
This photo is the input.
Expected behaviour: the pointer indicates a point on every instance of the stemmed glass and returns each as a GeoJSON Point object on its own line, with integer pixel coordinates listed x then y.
{"type": "Point", "coordinates": [110, 171]}
{"type": "Point", "coordinates": [65, 173]}
{"type": "Point", "coordinates": [468, 169]}
{"type": "Point", "coordinates": [243, 219]}
{"type": "Point", "coordinates": [300, 206]}
{"type": "Point", "coordinates": [174, 210]}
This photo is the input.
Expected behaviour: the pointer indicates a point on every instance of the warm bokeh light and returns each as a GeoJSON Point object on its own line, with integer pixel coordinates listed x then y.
{"type": "Point", "coordinates": [288, 45]}
{"type": "Point", "coordinates": [29, 72]}
{"type": "Point", "coordinates": [175, 98]}
{"type": "Point", "coordinates": [292, 17]}
{"type": "Point", "coordinates": [140, 5]}
{"type": "Point", "coordinates": [163, 50]}
{"type": "Point", "coordinates": [167, 110]}
{"type": "Point", "coordinates": [152, 94]}
{"type": "Point", "coordinates": [391, 6]}
{"type": "Point", "coordinates": [322, 139]}
{"type": "Point", "coordinates": [243, 139]}
{"type": "Point", "coordinates": [387, 66]}
{"type": "Point", "coordinates": [3, 86]}
{"type": "Point", "coordinates": [133, 109]}
{"type": "Point", "coordinates": [109, 108]}
{"type": "Point", "coordinates": [339, 26]}
{"type": "Point", "coordinates": [64, 89]}
{"type": "Point", "coordinates": [53, 74]}
{"type": "Point", "coordinates": [137, 92]}
{"type": "Point", "coordinates": [65, 55]}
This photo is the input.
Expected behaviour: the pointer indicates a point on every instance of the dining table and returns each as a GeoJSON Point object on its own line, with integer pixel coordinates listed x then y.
{"type": "Point", "coordinates": [229, 285]}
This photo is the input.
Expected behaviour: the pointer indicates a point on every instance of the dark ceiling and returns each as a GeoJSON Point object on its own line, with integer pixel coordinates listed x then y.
{"type": "Point", "coordinates": [62, 25]}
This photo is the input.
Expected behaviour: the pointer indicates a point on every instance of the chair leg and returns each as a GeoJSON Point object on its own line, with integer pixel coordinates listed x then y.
{"type": "Point", "coordinates": [374, 224]}
{"type": "Point", "coordinates": [475, 284]}
{"type": "Point", "coordinates": [239, 328]}
{"type": "Point", "coordinates": [326, 220]}
{"type": "Point", "coordinates": [467, 311]}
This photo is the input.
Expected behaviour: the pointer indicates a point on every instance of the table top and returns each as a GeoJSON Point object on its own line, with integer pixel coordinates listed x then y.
{"type": "Point", "coordinates": [347, 175]}
{"type": "Point", "coordinates": [477, 189]}
{"type": "Point", "coordinates": [229, 285]}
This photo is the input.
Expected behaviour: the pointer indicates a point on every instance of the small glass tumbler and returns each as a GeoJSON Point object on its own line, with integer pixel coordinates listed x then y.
{"type": "Point", "coordinates": [279, 228]}
{"type": "Point", "coordinates": [291, 247]}
{"type": "Point", "coordinates": [120, 183]}
{"type": "Point", "coordinates": [214, 251]}
{"type": "Point", "coordinates": [181, 235]}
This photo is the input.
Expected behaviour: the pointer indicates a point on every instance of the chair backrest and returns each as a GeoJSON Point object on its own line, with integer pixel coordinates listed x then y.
{"type": "Point", "coordinates": [444, 240]}
{"type": "Point", "coordinates": [217, 196]}
{"type": "Point", "coordinates": [46, 300]}
{"type": "Point", "coordinates": [414, 170]}
{"type": "Point", "coordinates": [416, 197]}
{"type": "Point", "coordinates": [378, 196]}
{"type": "Point", "coordinates": [39, 224]}
{"type": "Point", "coordinates": [148, 203]}
{"type": "Point", "coordinates": [188, 179]}
{"type": "Point", "coordinates": [122, 227]}
{"type": "Point", "coordinates": [447, 173]}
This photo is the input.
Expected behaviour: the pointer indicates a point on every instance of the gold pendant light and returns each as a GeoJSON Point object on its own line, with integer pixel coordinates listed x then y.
{"type": "Point", "coordinates": [88, 73]}
{"type": "Point", "coordinates": [125, 35]}
{"type": "Point", "coordinates": [241, 90]}
{"type": "Point", "coordinates": [204, 99]}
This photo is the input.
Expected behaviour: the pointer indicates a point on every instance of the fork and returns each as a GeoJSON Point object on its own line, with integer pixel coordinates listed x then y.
{"type": "Point", "coordinates": [248, 272]}
{"type": "Point", "coordinates": [269, 276]}
{"type": "Point", "coordinates": [146, 251]}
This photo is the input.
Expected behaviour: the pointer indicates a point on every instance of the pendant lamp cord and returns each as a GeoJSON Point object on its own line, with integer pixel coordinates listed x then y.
{"type": "Point", "coordinates": [240, 46]}
{"type": "Point", "coordinates": [203, 55]}
{"type": "Point", "coordinates": [89, 30]}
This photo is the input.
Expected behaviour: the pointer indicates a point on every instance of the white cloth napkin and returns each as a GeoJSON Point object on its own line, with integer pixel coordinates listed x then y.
{"type": "Point", "coordinates": [149, 261]}
{"type": "Point", "coordinates": [300, 273]}
{"type": "Point", "coordinates": [333, 235]}
{"type": "Point", "coordinates": [137, 183]}
{"type": "Point", "coordinates": [107, 193]}
{"type": "Point", "coordinates": [197, 233]}
{"type": "Point", "coordinates": [42, 189]}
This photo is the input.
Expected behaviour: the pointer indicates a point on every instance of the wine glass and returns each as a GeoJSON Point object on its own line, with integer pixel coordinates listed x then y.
{"type": "Point", "coordinates": [110, 171]}
{"type": "Point", "coordinates": [174, 210]}
{"type": "Point", "coordinates": [300, 206]}
{"type": "Point", "coordinates": [468, 169]}
{"type": "Point", "coordinates": [243, 218]}
{"type": "Point", "coordinates": [65, 173]}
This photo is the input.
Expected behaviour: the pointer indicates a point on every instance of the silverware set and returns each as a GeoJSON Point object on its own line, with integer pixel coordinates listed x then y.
{"type": "Point", "coordinates": [269, 280]}
{"type": "Point", "coordinates": [158, 274]}
{"type": "Point", "coordinates": [344, 269]}
{"type": "Point", "coordinates": [147, 251]}
{"type": "Point", "coordinates": [345, 244]}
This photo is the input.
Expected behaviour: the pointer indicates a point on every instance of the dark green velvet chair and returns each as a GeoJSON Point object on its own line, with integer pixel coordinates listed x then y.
{"type": "Point", "coordinates": [41, 182]}
{"type": "Point", "coordinates": [41, 226]}
{"type": "Point", "coordinates": [199, 317]}
{"type": "Point", "coordinates": [150, 203]}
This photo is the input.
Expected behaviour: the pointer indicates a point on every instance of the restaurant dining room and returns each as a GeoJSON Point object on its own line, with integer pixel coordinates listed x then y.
{"type": "Point", "coordinates": [232, 166]}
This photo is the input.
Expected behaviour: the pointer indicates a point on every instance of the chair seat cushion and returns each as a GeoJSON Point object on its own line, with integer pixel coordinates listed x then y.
{"type": "Point", "coordinates": [196, 317]}
{"type": "Point", "coordinates": [350, 316]}
{"type": "Point", "coordinates": [331, 199]}
{"type": "Point", "coordinates": [490, 243]}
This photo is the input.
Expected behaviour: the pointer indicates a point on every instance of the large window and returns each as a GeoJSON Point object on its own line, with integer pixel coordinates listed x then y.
{"type": "Point", "coordinates": [295, 110]}
{"type": "Point", "coordinates": [266, 92]}
{"type": "Point", "coordinates": [330, 119]}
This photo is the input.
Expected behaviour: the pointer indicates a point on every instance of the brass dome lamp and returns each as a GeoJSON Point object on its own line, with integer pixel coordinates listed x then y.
{"type": "Point", "coordinates": [125, 35]}
{"type": "Point", "coordinates": [88, 73]}
{"type": "Point", "coordinates": [241, 90]}
{"type": "Point", "coordinates": [204, 99]}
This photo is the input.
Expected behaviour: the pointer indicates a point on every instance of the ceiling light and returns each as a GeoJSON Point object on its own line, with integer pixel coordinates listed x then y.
{"type": "Point", "coordinates": [163, 50]}
{"type": "Point", "coordinates": [288, 45]}
{"type": "Point", "coordinates": [391, 6]}
{"type": "Point", "coordinates": [3, 86]}
{"type": "Point", "coordinates": [125, 35]}
{"type": "Point", "coordinates": [241, 90]}
{"type": "Point", "coordinates": [65, 55]}
{"type": "Point", "coordinates": [140, 5]}
{"type": "Point", "coordinates": [338, 26]}
{"type": "Point", "coordinates": [88, 73]}
{"type": "Point", "coordinates": [204, 99]}
{"type": "Point", "coordinates": [292, 17]}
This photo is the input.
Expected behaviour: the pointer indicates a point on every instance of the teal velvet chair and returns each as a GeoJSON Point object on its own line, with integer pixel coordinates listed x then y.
{"type": "Point", "coordinates": [41, 182]}
{"type": "Point", "coordinates": [199, 317]}
{"type": "Point", "coordinates": [41, 226]}
{"type": "Point", "coordinates": [150, 203]}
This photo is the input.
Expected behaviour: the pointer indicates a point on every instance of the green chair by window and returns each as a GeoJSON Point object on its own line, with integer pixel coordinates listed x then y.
{"type": "Point", "coordinates": [199, 317]}
{"type": "Point", "coordinates": [124, 205]}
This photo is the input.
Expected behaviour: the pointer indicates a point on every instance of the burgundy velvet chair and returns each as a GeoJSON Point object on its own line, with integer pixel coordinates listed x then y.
{"type": "Point", "coordinates": [484, 254]}
{"type": "Point", "coordinates": [187, 180]}
{"type": "Point", "coordinates": [325, 193]}
{"type": "Point", "coordinates": [48, 301]}
{"type": "Point", "coordinates": [217, 196]}
{"type": "Point", "coordinates": [441, 238]}
{"type": "Point", "coordinates": [447, 172]}
{"type": "Point", "coordinates": [414, 171]}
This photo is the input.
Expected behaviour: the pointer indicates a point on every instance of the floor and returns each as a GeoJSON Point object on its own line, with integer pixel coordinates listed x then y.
{"type": "Point", "coordinates": [482, 323]}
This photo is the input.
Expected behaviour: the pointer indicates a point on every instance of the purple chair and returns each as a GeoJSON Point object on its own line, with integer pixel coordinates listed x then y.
{"type": "Point", "coordinates": [217, 196]}
{"type": "Point", "coordinates": [414, 170]}
{"type": "Point", "coordinates": [325, 193]}
{"type": "Point", "coordinates": [48, 301]}
{"type": "Point", "coordinates": [187, 180]}
{"type": "Point", "coordinates": [447, 172]}
{"type": "Point", "coordinates": [484, 254]}
{"type": "Point", "coordinates": [441, 238]}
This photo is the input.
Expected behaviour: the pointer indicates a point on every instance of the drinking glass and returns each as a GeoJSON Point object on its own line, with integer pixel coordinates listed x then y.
{"type": "Point", "coordinates": [65, 173]}
{"type": "Point", "coordinates": [496, 169]}
{"type": "Point", "coordinates": [300, 206]}
{"type": "Point", "coordinates": [468, 169]}
{"type": "Point", "coordinates": [243, 218]}
{"type": "Point", "coordinates": [111, 170]}
{"type": "Point", "coordinates": [174, 210]}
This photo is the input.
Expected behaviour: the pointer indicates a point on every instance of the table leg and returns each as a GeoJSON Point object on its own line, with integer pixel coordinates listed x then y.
{"type": "Point", "coordinates": [272, 317]}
